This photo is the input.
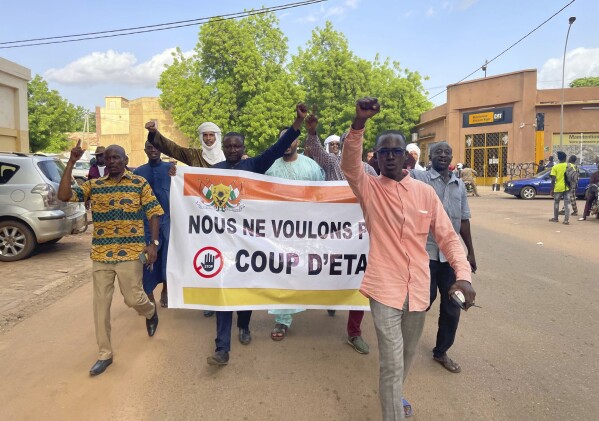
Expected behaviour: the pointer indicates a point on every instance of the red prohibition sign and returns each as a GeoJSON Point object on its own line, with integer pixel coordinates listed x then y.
{"type": "Point", "coordinates": [198, 265]}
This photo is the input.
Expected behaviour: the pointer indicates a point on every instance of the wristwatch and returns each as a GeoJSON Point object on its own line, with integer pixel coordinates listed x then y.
{"type": "Point", "coordinates": [155, 242]}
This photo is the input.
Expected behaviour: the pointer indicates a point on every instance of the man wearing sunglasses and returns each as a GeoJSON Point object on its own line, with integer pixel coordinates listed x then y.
{"type": "Point", "coordinates": [399, 213]}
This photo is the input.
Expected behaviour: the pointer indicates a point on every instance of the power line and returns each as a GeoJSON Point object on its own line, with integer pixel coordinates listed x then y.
{"type": "Point", "coordinates": [507, 49]}
{"type": "Point", "coordinates": [151, 28]}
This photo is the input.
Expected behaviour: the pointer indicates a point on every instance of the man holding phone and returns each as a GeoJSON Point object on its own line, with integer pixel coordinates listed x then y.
{"type": "Point", "coordinates": [118, 202]}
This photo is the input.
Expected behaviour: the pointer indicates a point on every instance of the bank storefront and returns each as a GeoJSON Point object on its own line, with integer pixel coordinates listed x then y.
{"type": "Point", "coordinates": [486, 143]}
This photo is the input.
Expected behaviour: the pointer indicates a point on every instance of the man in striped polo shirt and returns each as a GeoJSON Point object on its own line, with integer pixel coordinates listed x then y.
{"type": "Point", "coordinates": [118, 202]}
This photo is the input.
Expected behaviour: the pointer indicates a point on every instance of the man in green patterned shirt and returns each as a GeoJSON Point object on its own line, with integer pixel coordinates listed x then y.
{"type": "Point", "coordinates": [118, 202]}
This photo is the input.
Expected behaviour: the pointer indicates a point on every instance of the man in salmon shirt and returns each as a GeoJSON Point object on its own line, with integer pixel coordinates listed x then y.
{"type": "Point", "coordinates": [399, 213]}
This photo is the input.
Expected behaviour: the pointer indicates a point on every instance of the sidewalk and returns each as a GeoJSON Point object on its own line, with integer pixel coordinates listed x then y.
{"type": "Point", "coordinates": [26, 286]}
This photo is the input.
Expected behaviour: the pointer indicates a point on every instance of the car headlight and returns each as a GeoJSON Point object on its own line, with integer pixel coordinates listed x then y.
{"type": "Point", "coordinates": [510, 184]}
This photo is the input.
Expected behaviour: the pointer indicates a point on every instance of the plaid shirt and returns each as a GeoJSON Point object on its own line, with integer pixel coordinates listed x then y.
{"type": "Point", "coordinates": [330, 163]}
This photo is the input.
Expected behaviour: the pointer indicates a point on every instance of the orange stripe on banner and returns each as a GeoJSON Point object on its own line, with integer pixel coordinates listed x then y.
{"type": "Point", "coordinates": [263, 190]}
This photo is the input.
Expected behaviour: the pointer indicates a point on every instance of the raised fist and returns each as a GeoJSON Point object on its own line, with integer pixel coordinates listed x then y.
{"type": "Point", "coordinates": [302, 111]}
{"type": "Point", "coordinates": [151, 126]}
{"type": "Point", "coordinates": [311, 123]}
{"type": "Point", "coordinates": [367, 108]}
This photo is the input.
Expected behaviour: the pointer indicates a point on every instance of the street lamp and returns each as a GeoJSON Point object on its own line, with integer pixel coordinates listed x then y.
{"type": "Point", "coordinates": [561, 125]}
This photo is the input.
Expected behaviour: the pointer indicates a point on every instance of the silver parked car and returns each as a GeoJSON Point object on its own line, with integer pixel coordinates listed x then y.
{"type": "Point", "coordinates": [30, 212]}
{"type": "Point", "coordinates": [80, 170]}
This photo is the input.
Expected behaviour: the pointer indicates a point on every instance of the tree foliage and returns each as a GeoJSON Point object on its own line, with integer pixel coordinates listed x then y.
{"type": "Point", "coordinates": [334, 78]}
{"type": "Point", "coordinates": [240, 78]}
{"type": "Point", "coordinates": [50, 117]}
{"type": "Point", "coordinates": [236, 79]}
{"type": "Point", "coordinates": [584, 82]}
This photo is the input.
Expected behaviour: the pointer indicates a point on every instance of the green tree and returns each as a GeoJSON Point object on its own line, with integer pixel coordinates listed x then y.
{"type": "Point", "coordinates": [585, 81]}
{"type": "Point", "coordinates": [236, 79]}
{"type": "Point", "coordinates": [50, 118]}
{"type": "Point", "coordinates": [334, 77]}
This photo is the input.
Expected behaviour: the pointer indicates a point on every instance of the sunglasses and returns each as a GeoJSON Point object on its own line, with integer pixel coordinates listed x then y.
{"type": "Point", "coordinates": [388, 151]}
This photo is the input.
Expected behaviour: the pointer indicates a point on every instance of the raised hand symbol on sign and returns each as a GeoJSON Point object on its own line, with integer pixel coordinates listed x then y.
{"type": "Point", "coordinates": [208, 264]}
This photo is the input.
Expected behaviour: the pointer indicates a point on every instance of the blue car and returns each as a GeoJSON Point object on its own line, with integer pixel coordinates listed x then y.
{"type": "Point", "coordinates": [540, 184]}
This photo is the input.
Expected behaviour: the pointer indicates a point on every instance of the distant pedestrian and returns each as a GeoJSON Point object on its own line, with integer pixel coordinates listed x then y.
{"type": "Point", "coordinates": [559, 189]}
{"type": "Point", "coordinates": [414, 151]}
{"type": "Point", "coordinates": [98, 168]}
{"type": "Point", "coordinates": [541, 166]}
{"type": "Point", "coordinates": [550, 162]}
{"type": "Point", "coordinates": [591, 193]}
{"type": "Point", "coordinates": [572, 184]}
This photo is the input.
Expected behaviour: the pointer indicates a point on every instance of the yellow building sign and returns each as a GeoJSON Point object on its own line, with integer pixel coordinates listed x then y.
{"type": "Point", "coordinates": [577, 139]}
{"type": "Point", "coordinates": [481, 118]}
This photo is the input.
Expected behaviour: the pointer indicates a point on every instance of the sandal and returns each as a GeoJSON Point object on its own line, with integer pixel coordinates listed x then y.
{"type": "Point", "coordinates": [449, 364]}
{"type": "Point", "coordinates": [407, 408]}
{"type": "Point", "coordinates": [279, 332]}
{"type": "Point", "coordinates": [164, 299]}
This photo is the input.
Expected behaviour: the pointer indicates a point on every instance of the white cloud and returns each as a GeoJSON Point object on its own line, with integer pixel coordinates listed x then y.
{"type": "Point", "coordinates": [466, 4]}
{"type": "Point", "coordinates": [580, 62]}
{"type": "Point", "coordinates": [430, 11]}
{"type": "Point", "coordinates": [114, 68]}
{"type": "Point", "coordinates": [334, 11]}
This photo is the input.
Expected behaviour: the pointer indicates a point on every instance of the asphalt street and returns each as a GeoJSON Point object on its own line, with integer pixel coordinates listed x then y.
{"type": "Point", "coordinates": [530, 353]}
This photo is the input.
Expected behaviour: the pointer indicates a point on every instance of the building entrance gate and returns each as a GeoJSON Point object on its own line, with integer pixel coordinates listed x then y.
{"type": "Point", "coordinates": [486, 153]}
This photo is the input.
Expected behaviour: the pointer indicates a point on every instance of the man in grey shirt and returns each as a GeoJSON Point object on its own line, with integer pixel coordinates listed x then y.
{"type": "Point", "coordinates": [452, 192]}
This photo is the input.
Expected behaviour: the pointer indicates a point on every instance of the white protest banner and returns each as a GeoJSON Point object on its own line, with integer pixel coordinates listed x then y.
{"type": "Point", "coordinates": [242, 241]}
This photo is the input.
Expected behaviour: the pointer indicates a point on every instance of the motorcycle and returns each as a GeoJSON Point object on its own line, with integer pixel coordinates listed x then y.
{"type": "Point", "coordinates": [469, 187]}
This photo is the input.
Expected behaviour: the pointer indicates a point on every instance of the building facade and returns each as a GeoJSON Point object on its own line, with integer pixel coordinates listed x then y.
{"type": "Point", "coordinates": [122, 122]}
{"type": "Point", "coordinates": [503, 125]}
{"type": "Point", "coordinates": [14, 125]}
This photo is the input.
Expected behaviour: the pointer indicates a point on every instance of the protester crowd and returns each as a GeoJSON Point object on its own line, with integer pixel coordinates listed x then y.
{"type": "Point", "coordinates": [418, 222]}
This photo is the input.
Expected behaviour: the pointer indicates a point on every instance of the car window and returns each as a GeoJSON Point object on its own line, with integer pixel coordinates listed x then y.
{"type": "Point", "coordinates": [52, 169]}
{"type": "Point", "coordinates": [543, 173]}
{"type": "Point", "coordinates": [82, 165]}
{"type": "Point", "coordinates": [582, 173]}
{"type": "Point", "coordinates": [7, 171]}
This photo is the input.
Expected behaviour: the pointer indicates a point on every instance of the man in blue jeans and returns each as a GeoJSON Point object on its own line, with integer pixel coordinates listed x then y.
{"type": "Point", "coordinates": [452, 193]}
{"type": "Point", "coordinates": [234, 149]}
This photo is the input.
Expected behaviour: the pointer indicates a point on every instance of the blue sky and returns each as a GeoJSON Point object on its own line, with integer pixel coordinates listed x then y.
{"type": "Point", "coordinates": [442, 39]}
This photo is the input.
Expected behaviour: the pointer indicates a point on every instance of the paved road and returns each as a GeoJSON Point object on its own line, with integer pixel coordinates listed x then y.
{"type": "Point", "coordinates": [530, 353]}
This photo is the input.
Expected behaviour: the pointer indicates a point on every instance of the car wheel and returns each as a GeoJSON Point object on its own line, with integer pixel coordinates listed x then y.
{"type": "Point", "coordinates": [528, 193]}
{"type": "Point", "coordinates": [17, 241]}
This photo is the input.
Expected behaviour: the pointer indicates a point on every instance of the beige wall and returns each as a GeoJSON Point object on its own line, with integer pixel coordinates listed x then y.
{"type": "Point", "coordinates": [14, 126]}
{"type": "Point", "coordinates": [122, 121]}
{"type": "Point", "coordinates": [519, 91]}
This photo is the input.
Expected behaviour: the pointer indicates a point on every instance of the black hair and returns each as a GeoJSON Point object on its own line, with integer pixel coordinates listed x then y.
{"type": "Point", "coordinates": [234, 134]}
{"type": "Point", "coordinates": [437, 145]}
{"type": "Point", "coordinates": [561, 155]}
{"type": "Point", "coordinates": [572, 159]}
{"type": "Point", "coordinates": [390, 132]}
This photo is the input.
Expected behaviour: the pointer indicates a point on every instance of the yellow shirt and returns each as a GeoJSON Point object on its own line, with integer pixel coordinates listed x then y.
{"type": "Point", "coordinates": [117, 215]}
{"type": "Point", "coordinates": [558, 171]}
